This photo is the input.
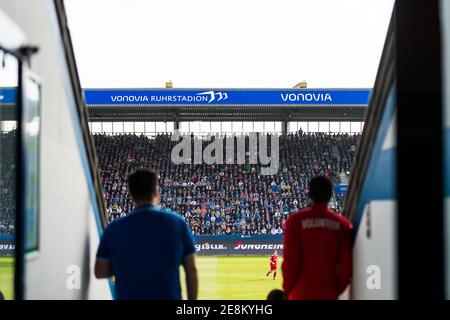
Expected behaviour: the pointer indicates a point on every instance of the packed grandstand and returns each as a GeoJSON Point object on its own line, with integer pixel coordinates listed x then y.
{"type": "Point", "coordinates": [7, 182]}
{"type": "Point", "coordinates": [213, 199]}
{"type": "Point", "coordinates": [225, 199]}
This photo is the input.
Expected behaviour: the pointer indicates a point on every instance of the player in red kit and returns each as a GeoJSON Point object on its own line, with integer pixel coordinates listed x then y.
{"type": "Point", "coordinates": [317, 259]}
{"type": "Point", "coordinates": [273, 264]}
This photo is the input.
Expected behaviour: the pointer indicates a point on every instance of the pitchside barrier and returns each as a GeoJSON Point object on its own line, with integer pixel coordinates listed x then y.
{"type": "Point", "coordinates": [239, 245]}
{"type": "Point", "coordinates": [205, 245]}
{"type": "Point", "coordinates": [7, 245]}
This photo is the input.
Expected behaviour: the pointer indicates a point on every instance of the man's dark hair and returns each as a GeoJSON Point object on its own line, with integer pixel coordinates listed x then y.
{"type": "Point", "coordinates": [276, 294]}
{"type": "Point", "coordinates": [142, 184]}
{"type": "Point", "coordinates": [320, 189]}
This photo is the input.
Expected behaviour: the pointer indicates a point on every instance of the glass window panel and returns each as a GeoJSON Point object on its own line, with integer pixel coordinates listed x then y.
{"type": "Point", "coordinates": [345, 127]}
{"type": "Point", "coordinates": [118, 127]}
{"type": "Point", "coordinates": [355, 127]}
{"type": "Point", "coordinates": [247, 126]}
{"type": "Point", "coordinates": [107, 127]}
{"type": "Point", "coordinates": [269, 126]}
{"type": "Point", "coordinates": [160, 127]}
{"type": "Point", "coordinates": [313, 126]}
{"type": "Point", "coordinates": [292, 126]}
{"type": "Point", "coordinates": [10, 125]}
{"type": "Point", "coordinates": [303, 126]}
{"type": "Point", "coordinates": [216, 127]}
{"type": "Point", "coordinates": [128, 127]}
{"type": "Point", "coordinates": [324, 126]}
{"type": "Point", "coordinates": [205, 127]}
{"type": "Point", "coordinates": [139, 127]}
{"type": "Point", "coordinates": [170, 126]}
{"type": "Point", "coordinates": [226, 127]}
{"type": "Point", "coordinates": [237, 126]}
{"type": "Point", "coordinates": [195, 126]}
{"type": "Point", "coordinates": [150, 127]}
{"type": "Point", "coordinates": [334, 126]}
{"type": "Point", "coordinates": [96, 127]}
{"type": "Point", "coordinates": [184, 127]}
{"type": "Point", "coordinates": [278, 126]}
{"type": "Point", "coordinates": [258, 126]}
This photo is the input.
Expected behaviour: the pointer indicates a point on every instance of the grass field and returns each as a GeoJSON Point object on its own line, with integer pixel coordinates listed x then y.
{"type": "Point", "coordinates": [234, 278]}
{"type": "Point", "coordinates": [220, 277]}
{"type": "Point", "coordinates": [7, 277]}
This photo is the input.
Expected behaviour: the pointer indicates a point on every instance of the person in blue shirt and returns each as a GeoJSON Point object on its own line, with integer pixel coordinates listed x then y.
{"type": "Point", "coordinates": [144, 250]}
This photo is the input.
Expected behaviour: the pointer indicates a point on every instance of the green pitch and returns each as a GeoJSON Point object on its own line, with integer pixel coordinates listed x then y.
{"type": "Point", "coordinates": [7, 277]}
{"type": "Point", "coordinates": [234, 278]}
{"type": "Point", "coordinates": [220, 277]}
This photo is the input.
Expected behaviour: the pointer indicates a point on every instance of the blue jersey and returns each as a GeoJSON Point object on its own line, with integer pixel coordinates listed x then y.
{"type": "Point", "coordinates": [146, 249]}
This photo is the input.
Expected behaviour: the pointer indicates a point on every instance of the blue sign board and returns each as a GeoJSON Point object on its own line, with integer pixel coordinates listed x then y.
{"type": "Point", "coordinates": [341, 188]}
{"type": "Point", "coordinates": [220, 97]}
{"type": "Point", "coordinates": [230, 97]}
{"type": "Point", "coordinates": [8, 95]}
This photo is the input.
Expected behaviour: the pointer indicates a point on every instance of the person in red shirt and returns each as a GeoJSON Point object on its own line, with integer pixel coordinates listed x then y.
{"type": "Point", "coordinates": [317, 259]}
{"type": "Point", "coordinates": [273, 264]}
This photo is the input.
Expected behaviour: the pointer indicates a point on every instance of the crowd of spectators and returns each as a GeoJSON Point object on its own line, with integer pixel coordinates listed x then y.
{"type": "Point", "coordinates": [225, 199]}
{"type": "Point", "coordinates": [7, 182]}
{"type": "Point", "coordinates": [214, 199]}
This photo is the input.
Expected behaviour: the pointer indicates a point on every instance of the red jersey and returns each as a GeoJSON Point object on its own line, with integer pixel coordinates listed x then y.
{"type": "Point", "coordinates": [274, 259]}
{"type": "Point", "coordinates": [317, 260]}
{"type": "Point", "coordinates": [273, 262]}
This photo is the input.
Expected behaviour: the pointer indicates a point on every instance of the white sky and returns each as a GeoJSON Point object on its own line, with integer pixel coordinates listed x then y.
{"type": "Point", "coordinates": [228, 43]}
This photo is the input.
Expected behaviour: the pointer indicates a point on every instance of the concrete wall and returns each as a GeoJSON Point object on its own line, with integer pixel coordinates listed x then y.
{"type": "Point", "coordinates": [375, 253]}
{"type": "Point", "coordinates": [68, 229]}
{"type": "Point", "coordinates": [375, 247]}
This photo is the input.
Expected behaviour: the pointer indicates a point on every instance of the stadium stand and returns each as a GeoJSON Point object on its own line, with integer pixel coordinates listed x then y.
{"type": "Point", "coordinates": [224, 199]}
{"type": "Point", "coordinates": [7, 183]}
